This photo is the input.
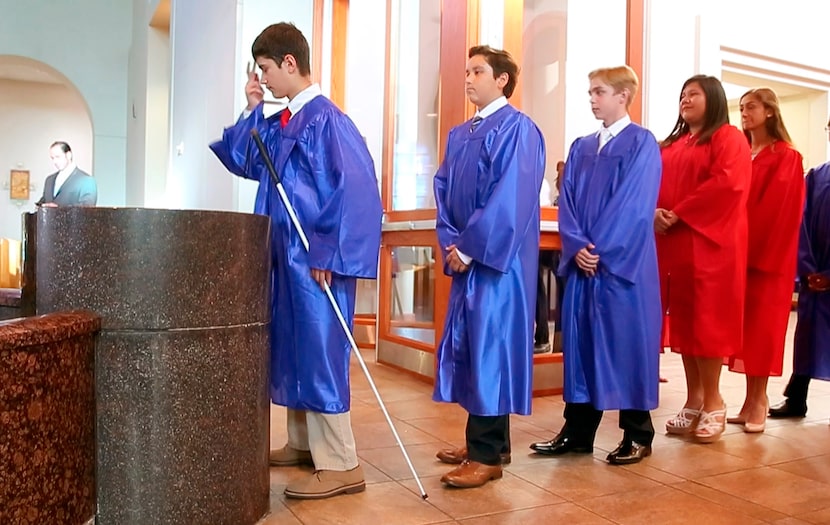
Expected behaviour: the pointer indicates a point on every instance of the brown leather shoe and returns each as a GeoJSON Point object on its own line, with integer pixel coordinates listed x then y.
{"type": "Point", "coordinates": [471, 474]}
{"type": "Point", "coordinates": [454, 456]}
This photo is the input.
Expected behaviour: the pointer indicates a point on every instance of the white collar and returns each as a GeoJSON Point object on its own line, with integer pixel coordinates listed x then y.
{"type": "Point", "coordinates": [302, 98]}
{"type": "Point", "coordinates": [492, 107]}
{"type": "Point", "coordinates": [617, 127]}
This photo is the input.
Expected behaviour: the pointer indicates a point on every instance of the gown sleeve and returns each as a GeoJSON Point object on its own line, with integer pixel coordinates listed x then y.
{"type": "Point", "coordinates": [624, 229]}
{"type": "Point", "coordinates": [494, 233]}
{"type": "Point", "coordinates": [572, 236]}
{"type": "Point", "coordinates": [774, 211]}
{"type": "Point", "coordinates": [708, 210]}
{"type": "Point", "coordinates": [345, 238]}
{"type": "Point", "coordinates": [236, 149]}
{"type": "Point", "coordinates": [444, 229]}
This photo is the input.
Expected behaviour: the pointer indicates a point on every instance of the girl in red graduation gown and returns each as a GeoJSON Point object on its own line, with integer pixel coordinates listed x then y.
{"type": "Point", "coordinates": [701, 226]}
{"type": "Point", "coordinates": [776, 199]}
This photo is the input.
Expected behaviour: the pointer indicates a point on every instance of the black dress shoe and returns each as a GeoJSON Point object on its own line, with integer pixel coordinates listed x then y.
{"type": "Point", "coordinates": [629, 452]}
{"type": "Point", "coordinates": [787, 408]}
{"type": "Point", "coordinates": [561, 445]}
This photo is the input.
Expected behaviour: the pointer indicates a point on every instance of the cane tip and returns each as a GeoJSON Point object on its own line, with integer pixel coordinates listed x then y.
{"type": "Point", "coordinates": [424, 496]}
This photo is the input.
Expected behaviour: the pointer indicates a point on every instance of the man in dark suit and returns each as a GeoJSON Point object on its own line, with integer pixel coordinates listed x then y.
{"type": "Point", "coordinates": [69, 186]}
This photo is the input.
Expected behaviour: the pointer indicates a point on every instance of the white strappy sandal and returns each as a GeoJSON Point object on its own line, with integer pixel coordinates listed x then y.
{"type": "Point", "coordinates": [711, 425]}
{"type": "Point", "coordinates": [684, 422]}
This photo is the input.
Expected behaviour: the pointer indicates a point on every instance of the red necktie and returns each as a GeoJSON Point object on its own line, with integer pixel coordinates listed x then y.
{"type": "Point", "coordinates": [284, 116]}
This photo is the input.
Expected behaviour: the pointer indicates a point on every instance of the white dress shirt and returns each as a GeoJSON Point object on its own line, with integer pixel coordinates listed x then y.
{"type": "Point", "coordinates": [606, 134]}
{"type": "Point", "coordinates": [62, 176]}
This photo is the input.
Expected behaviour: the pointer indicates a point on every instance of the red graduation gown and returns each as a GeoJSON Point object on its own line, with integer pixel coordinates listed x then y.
{"type": "Point", "coordinates": [702, 258]}
{"type": "Point", "coordinates": [776, 200]}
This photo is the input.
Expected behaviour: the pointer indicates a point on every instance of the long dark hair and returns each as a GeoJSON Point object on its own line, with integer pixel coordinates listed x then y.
{"type": "Point", "coordinates": [775, 122]}
{"type": "Point", "coordinates": [715, 116]}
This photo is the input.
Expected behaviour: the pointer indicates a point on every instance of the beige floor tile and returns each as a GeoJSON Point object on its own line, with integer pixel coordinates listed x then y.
{"type": "Point", "coordinates": [279, 514]}
{"type": "Point", "coordinates": [729, 501]}
{"type": "Point", "coordinates": [379, 504]}
{"type": "Point", "coordinates": [781, 476]}
{"type": "Point", "coordinates": [819, 517]}
{"type": "Point", "coordinates": [790, 521]}
{"type": "Point", "coordinates": [666, 506]}
{"type": "Point", "coordinates": [506, 494]}
{"type": "Point", "coordinates": [561, 513]}
{"type": "Point", "coordinates": [693, 460]}
{"type": "Point", "coordinates": [576, 478]}
{"type": "Point", "coordinates": [764, 449]}
{"type": "Point", "coordinates": [378, 435]}
{"type": "Point", "coordinates": [782, 491]}
{"type": "Point", "coordinates": [815, 468]}
{"type": "Point", "coordinates": [391, 461]}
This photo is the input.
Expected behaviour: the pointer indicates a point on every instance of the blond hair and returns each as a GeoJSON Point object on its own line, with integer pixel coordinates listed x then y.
{"type": "Point", "coordinates": [621, 78]}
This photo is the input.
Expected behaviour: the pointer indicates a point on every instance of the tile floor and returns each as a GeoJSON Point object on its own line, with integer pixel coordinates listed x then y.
{"type": "Point", "coordinates": [781, 476]}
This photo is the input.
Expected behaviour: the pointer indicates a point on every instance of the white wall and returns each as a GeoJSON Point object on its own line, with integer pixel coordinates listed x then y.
{"type": "Point", "coordinates": [203, 43]}
{"type": "Point", "coordinates": [595, 38]}
{"type": "Point", "coordinates": [33, 116]}
{"type": "Point", "coordinates": [792, 30]}
{"type": "Point", "coordinates": [672, 43]}
{"type": "Point", "coordinates": [686, 39]}
{"type": "Point", "coordinates": [88, 42]}
{"type": "Point", "coordinates": [366, 73]}
{"type": "Point", "coordinates": [542, 76]}
{"type": "Point", "coordinates": [148, 123]}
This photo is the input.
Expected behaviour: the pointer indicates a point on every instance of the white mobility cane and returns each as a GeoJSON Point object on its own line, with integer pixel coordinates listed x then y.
{"type": "Point", "coordinates": [290, 209]}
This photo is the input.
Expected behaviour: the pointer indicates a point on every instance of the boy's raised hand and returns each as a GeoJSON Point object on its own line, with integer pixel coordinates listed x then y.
{"type": "Point", "coordinates": [253, 89]}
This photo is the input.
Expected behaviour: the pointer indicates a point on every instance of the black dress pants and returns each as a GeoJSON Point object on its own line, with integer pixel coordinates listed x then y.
{"type": "Point", "coordinates": [796, 390]}
{"type": "Point", "coordinates": [582, 421]}
{"type": "Point", "coordinates": [487, 438]}
{"type": "Point", "coordinates": [542, 333]}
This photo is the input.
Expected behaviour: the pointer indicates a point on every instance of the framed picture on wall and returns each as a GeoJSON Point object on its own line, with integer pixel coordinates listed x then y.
{"type": "Point", "coordinates": [19, 185]}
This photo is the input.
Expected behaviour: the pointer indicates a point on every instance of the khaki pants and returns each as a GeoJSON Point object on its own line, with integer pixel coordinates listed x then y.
{"type": "Point", "coordinates": [328, 437]}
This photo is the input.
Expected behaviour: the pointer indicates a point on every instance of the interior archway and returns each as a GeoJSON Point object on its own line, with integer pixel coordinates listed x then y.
{"type": "Point", "coordinates": [38, 105]}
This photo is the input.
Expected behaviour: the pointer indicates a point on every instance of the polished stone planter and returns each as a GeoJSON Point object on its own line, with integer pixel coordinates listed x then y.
{"type": "Point", "coordinates": [182, 362]}
{"type": "Point", "coordinates": [47, 419]}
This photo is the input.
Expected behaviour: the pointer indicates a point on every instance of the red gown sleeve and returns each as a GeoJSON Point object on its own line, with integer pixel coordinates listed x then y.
{"type": "Point", "coordinates": [709, 210]}
{"type": "Point", "coordinates": [776, 200]}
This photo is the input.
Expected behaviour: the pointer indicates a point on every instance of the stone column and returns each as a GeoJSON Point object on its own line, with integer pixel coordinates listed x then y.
{"type": "Point", "coordinates": [182, 363]}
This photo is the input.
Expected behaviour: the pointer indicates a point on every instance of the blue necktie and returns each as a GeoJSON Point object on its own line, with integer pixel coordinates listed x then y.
{"type": "Point", "coordinates": [474, 124]}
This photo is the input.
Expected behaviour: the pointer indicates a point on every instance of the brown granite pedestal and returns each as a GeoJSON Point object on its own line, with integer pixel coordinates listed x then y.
{"type": "Point", "coordinates": [47, 419]}
{"type": "Point", "coordinates": [182, 363]}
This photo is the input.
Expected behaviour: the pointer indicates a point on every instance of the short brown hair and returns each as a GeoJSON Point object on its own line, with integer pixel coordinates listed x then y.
{"type": "Point", "coordinates": [620, 78]}
{"type": "Point", "coordinates": [278, 40]}
{"type": "Point", "coordinates": [501, 62]}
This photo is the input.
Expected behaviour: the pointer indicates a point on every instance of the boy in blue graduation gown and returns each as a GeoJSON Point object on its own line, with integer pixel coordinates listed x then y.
{"type": "Point", "coordinates": [487, 199]}
{"type": "Point", "coordinates": [329, 178]}
{"type": "Point", "coordinates": [611, 312]}
{"type": "Point", "coordinates": [811, 345]}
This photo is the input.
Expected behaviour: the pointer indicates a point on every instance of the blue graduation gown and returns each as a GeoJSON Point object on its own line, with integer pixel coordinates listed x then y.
{"type": "Point", "coordinates": [487, 199]}
{"type": "Point", "coordinates": [611, 322]}
{"type": "Point", "coordinates": [329, 178]}
{"type": "Point", "coordinates": [811, 347]}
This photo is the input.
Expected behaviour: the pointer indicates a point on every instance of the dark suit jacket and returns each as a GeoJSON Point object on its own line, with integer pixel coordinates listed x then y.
{"type": "Point", "coordinates": [78, 190]}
